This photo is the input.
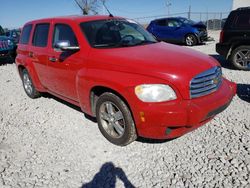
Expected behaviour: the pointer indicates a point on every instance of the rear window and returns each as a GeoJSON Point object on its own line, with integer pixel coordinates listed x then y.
{"type": "Point", "coordinates": [40, 38]}
{"type": "Point", "coordinates": [26, 34]}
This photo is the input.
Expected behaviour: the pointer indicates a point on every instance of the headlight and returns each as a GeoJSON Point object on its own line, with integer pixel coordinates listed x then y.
{"type": "Point", "coordinates": [155, 93]}
{"type": "Point", "coordinates": [10, 43]}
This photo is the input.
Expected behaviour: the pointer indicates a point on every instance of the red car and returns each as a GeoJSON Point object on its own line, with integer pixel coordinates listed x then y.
{"type": "Point", "coordinates": [117, 72]}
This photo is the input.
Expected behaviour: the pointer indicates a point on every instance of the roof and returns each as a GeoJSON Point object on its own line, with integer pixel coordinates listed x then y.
{"type": "Point", "coordinates": [76, 18]}
{"type": "Point", "coordinates": [169, 18]}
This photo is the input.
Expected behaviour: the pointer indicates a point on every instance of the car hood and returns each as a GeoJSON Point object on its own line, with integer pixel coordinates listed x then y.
{"type": "Point", "coordinates": [199, 25]}
{"type": "Point", "coordinates": [175, 64]}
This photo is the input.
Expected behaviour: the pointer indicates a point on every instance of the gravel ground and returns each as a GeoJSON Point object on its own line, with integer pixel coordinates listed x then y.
{"type": "Point", "coordinates": [49, 143]}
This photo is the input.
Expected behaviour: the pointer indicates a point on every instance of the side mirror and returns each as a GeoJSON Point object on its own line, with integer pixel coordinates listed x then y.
{"type": "Point", "coordinates": [64, 45]}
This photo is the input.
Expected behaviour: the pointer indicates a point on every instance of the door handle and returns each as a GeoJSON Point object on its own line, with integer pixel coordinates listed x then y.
{"type": "Point", "coordinates": [53, 59]}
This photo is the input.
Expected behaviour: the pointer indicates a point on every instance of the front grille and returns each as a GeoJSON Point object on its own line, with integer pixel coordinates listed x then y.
{"type": "Point", "coordinates": [4, 45]}
{"type": "Point", "coordinates": [205, 83]}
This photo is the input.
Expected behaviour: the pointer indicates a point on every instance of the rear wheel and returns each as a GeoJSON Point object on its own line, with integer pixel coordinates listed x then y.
{"type": "Point", "coordinates": [115, 120]}
{"type": "Point", "coordinates": [191, 40]}
{"type": "Point", "coordinates": [241, 57]}
{"type": "Point", "coordinates": [28, 86]}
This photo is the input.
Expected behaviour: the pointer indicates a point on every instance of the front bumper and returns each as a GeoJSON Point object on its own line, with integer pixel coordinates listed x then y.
{"type": "Point", "coordinates": [175, 118]}
{"type": "Point", "coordinates": [5, 54]}
{"type": "Point", "coordinates": [202, 36]}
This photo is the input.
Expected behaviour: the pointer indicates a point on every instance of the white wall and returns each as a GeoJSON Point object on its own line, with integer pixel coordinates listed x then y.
{"type": "Point", "coordinates": [240, 3]}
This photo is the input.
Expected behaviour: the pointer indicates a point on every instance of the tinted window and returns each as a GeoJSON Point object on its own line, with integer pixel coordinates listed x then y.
{"type": "Point", "coordinates": [242, 21]}
{"type": "Point", "coordinates": [162, 22]}
{"type": "Point", "coordinates": [25, 34]}
{"type": "Point", "coordinates": [115, 33]}
{"type": "Point", "coordinates": [41, 33]}
{"type": "Point", "coordinates": [173, 23]}
{"type": "Point", "coordinates": [64, 32]}
{"type": "Point", "coordinates": [1, 30]}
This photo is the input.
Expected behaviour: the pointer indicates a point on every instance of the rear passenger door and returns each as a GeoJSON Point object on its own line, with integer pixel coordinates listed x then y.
{"type": "Point", "coordinates": [38, 51]}
{"type": "Point", "coordinates": [63, 65]}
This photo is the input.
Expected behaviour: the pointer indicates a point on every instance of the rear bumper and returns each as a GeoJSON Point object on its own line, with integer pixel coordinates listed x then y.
{"type": "Point", "coordinates": [175, 118]}
{"type": "Point", "coordinates": [222, 49]}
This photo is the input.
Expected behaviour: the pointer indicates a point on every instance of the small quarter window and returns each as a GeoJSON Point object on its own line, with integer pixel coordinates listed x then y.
{"type": "Point", "coordinates": [40, 38]}
{"type": "Point", "coordinates": [26, 34]}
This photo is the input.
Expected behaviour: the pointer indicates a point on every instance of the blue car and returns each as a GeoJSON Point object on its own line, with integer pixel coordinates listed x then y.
{"type": "Point", "coordinates": [178, 30]}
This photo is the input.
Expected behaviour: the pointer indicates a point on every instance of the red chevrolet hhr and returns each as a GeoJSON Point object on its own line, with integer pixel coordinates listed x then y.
{"type": "Point", "coordinates": [117, 72]}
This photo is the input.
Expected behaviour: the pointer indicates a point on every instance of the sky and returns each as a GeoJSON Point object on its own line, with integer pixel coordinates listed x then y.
{"type": "Point", "coordinates": [15, 13]}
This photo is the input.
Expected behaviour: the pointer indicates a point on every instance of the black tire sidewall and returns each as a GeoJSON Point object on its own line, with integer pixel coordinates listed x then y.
{"type": "Point", "coordinates": [128, 135]}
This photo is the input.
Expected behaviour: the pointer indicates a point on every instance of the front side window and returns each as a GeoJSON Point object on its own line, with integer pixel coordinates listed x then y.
{"type": "Point", "coordinates": [25, 34]}
{"type": "Point", "coordinates": [114, 33]}
{"type": "Point", "coordinates": [173, 23]}
{"type": "Point", "coordinates": [41, 33]}
{"type": "Point", "coordinates": [63, 32]}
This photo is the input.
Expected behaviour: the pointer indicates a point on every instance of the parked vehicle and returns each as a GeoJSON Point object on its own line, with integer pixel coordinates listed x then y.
{"type": "Point", "coordinates": [7, 47]}
{"type": "Point", "coordinates": [178, 30]}
{"type": "Point", "coordinates": [117, 72]}
{"type": "Point", "coordinates": [14, 34]}
{"type": "Point", "coordinates": [234, 42]}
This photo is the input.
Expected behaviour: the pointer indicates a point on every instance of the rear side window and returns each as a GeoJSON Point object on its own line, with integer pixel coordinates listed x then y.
{"type": "Point", "coordinates": [26, 34]}
{"type": "Point", "coordinates": [40, 37]}
{"type": "Point", "coordinates": [63, 32]}
{"type": "Point", "coordinates": [162, 22]}
{"type": "Point", "coordinates": [242, 21]}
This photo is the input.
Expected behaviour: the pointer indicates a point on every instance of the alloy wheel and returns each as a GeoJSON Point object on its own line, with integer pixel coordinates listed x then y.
{"type": "Point", "coordinates": [112, 119]}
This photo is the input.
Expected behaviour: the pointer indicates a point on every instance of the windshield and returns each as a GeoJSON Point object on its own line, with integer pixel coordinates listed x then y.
{"type": "Point", "coordinates": [115, 33]}
{"type": "Point", "coordinates": [187, 21]}
{"type": "Point", "coordinates": [1, 31]}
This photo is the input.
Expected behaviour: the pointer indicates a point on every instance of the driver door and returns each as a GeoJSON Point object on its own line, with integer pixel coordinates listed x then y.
{"type": "Point", "coordinates": [62, 65]}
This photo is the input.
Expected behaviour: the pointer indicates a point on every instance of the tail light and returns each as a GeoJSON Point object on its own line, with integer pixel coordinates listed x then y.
{"type": "Point", "coordinates": [221, 36]}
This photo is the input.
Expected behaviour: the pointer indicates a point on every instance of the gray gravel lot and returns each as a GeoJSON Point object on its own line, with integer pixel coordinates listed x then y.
{"type": "Point", "coordinates": [49, 143]}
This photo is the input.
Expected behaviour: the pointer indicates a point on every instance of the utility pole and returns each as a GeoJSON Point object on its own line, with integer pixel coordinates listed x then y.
{"type": "Point", "coordinates": [168, 4]}
{"type": "Point", "coordinates": [189, 12]}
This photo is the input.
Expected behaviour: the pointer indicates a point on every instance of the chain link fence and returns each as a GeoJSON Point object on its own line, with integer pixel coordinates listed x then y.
{"type": "Point", "coordinates": [213, 20]}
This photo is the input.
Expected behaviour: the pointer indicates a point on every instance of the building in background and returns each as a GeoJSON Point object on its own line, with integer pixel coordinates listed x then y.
{"type": "Point", "coordinates": [240, 3]}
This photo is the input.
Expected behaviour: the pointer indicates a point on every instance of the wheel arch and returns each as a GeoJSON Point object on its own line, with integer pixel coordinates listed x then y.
{"type": "Point", "coordinates": [97, 91]}
{"type": "Point", "coordinates": [236, 45]}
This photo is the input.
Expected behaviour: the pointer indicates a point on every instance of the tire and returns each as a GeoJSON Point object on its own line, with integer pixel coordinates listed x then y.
{"type": "Point", "coordinates": [240, 58]}
{"type": "Point", "coordinates": [28, 86]}
{"type": "Point", "coordinates": [115, 120]}
{"type": "Point", "coordinates": [191, 40]}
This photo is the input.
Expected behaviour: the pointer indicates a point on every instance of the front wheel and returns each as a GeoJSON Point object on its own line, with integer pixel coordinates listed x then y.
{"type": "Point", "coordinates": [28, 86]}
{"type": "Point", "coordinates": [241, 58]}
{"type": "Point", "coordinates": [191, 40]}
{"type": "Point", "coordinates": [115, 120]}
